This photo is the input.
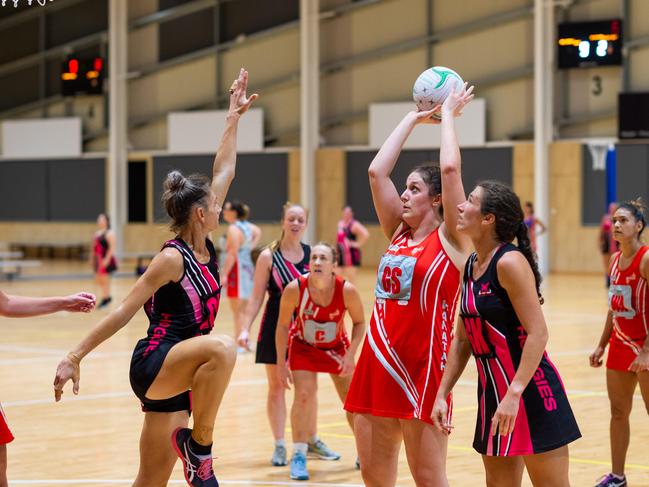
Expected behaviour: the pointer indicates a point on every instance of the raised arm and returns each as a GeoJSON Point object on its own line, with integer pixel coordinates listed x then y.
{"type": "Point", "coordinates": [354, 306]}
{"type": "Point", "coordinates": [165, 267]}
{"type": "Point", "coordinates": [260, 281]}
{"type": "Point", "coordinates": [450, 164]}
{"type": "Point", "coordinates": [516, 277]}
{"type": "Point", "coordinates": [23, 306]}
{"type": "Point", "coordinates": [226, 155]}
{"type": "Point", "coordinates": [458, 356]}
{"type": "Point", "coordinates": [287, 307]}
{"type": "Point", "coordinates": [386, 198]}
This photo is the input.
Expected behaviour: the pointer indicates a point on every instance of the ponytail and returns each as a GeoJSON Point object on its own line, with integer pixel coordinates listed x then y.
{"type": "Point", "coordinates": [525, 247]}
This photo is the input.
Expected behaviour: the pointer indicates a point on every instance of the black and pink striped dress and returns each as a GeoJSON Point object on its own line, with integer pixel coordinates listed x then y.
{"type": "Point", "coordinates": [545, 420]}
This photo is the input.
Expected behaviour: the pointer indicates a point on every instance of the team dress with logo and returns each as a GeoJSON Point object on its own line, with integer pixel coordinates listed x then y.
{"type": "Point", "coordinates": [282, 272]}
{"type": "Point", "coordinates": [5, 432]}
{"type": "Point", "coordinates": [317, 338]}
{"type": "Point", "coordinates": [347, 255]}
{"type": "Point", "coordinates": [405, 351]}
{"type": "Point", "coordinates": [241, 276]}
{"type": "Point", "coordinates": [100, 248]}
{"type": "Point", "coordinates": [177, 311]}
{"type": "Point", "coordinates": [628, 301]}
{"type": "Point", "coordinates": [544, 421]}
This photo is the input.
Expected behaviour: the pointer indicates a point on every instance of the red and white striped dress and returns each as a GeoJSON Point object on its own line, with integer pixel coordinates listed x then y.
{"type": "Point", "coordinates": [411, 329]}
{"type": "Point", "coordinates": [628, 301]}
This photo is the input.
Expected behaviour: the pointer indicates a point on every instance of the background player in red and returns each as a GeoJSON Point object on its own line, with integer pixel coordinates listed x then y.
{"type": "Point", "coordinates": [314, 307]}
{"type": "Point", "coordinates": [524, 418]}
{"type": "Point", "coordinates": [351, 236]}
{"type": "Point", "coordinates": [404, 354]}
{"type": "Point", "coordinates": [103, 257]}
{"type": "Point", "coordinates": [24, 307]}
{"type": "Point", "coordinates": [607, 244]}
{"type": "Point", "coordinates": [626, 332]}
{"type": "Point", "coordinates": [180, 292]}
{"type": "Point", "coordinates": [237, 268]}
{"type": "Point", "coordinates": [278, 265]}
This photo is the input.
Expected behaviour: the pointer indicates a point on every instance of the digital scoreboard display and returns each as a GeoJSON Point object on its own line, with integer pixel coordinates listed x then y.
{"type": "Point", "coordinates": [589, 44]}
{"type": "Point", "coordinates": [82, 76]}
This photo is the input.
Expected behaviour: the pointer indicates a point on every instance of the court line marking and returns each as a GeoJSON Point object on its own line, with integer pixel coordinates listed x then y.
{"type": "Point", "coordinates": [175, 482]}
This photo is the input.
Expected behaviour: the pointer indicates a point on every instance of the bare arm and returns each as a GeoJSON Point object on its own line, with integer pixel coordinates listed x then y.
{"type": "Point", "coordinates": [286, 308]}
{"type": "Point", "coordinates": [226, 155]}
{"type": "Point", "coordinates": [110, 251]}
{"type": "Point", "coordinates": [595, 358]}
{"type": "Point", "coordinates": [516, 277]}
{"type": "Point", "coordinates": [165, 267]}
{"type": "Point", "coordinates": [641, 362]}
{"type": "Point", "coordinates": [354, 307]}
{"type": "Point", "coordinates": [232, 245]}
{"type": "Point", "coordinates": [361, 234]}
{"type": "Point", "coordinates": [385, 196]}
{"type": "Point", "coordinates": [458, 356]}
{"type": "Point", "coordinates": [260, 281]}
{"type": "Point", "coordinates": [23, 306]}
{"type": "Point", "coordinates": [541, 225]}
{"type": "Point", "coordinates": [450, 164]}
{"type": "Point", "coordinates": [256, 235]}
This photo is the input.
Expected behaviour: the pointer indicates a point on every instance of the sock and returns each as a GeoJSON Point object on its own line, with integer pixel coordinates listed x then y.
{"type": "Point", "coordinates": [619, 477]}
{"type": "Point", "coordinates": [313, 439]}
{"type": "Point", "coordinates": [199, 449]}
{"type": "Point", "coordinates": [280, 442]}
{"type": "Point", "coordinates": [300, 448]}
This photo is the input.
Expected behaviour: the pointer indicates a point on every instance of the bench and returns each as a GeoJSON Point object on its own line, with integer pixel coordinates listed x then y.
{"type": "Point", "coordinates": [11, 269]}
{"type": "Point", "coordinates": [52, 249]}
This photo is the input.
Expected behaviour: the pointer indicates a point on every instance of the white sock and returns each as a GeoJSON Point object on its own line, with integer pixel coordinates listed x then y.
{"type": "Point", "coordinates": [619, 477]}
{"type": "Point", "coordinates": [280, 442]}
{"type": "Point", "coordinates": [313, 439]}
{"type": "Point", "coordinates": [300, 448]}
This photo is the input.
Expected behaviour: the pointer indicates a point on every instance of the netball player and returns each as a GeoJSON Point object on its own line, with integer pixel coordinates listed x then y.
{"type": "Point", "coordinates": [626, 332]}
{"type": "Point", "coordinates": [180, 292]}
{"type": "Point", "coordinates": [24, 307]}
{"type": "Point", "coordinates": [401, 363]}
{"type": "Point", "coordinates": [314, 307]}
{"type": "Point", "coordinates": [282, 262]}
{"type": "Point", "coordinates": [352, 235]}
{"type": "Point", "coordinates": [524, 418]}
{"type": "Point", "coordinates": [242, 237]}
{"type": "Point", "coordinates": [531, 222]}
{"type": "Point", "coordinates": [103, 257]}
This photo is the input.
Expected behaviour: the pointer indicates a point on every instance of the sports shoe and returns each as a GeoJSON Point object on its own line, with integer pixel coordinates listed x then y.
{"type": "Point", "coordinates": [197, 468]}
{"type": "Point", "coordinates": [322, 451]}
{"type": "Point", "coordinates": [279, 456]}
{"type": "Point", "coordinates": [298, 467]}
{"type": "Point", "coordinates": [610, 480]}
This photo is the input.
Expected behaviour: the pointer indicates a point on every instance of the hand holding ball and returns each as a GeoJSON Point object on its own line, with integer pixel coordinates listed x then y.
{"type": "Point", "coordinates": [433, 86]}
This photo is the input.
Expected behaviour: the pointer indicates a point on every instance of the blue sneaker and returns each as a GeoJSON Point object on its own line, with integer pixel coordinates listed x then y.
{"type": "Point", "coordinates": [323, 452]}
{"type": "Point", "coordinates": [611, 480]}
{"type": "Point", "coordinates": [197, 468]}
{"type": "Point", "coordinates": [298, 467]}
{"type": "Point", "coordinates": [279, 456]}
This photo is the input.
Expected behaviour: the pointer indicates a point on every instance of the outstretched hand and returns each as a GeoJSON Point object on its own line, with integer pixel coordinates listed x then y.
{"type": "Point", "coordinates": [67, 369]}
{"type": "Point", "coordinates": [456, 101]}
{"type": "Point", "coordinates": [239, 100]}
{"type": "Point", "coordinates": [80, 302]}
{"type": "Point", "coordinates": [427, 116]}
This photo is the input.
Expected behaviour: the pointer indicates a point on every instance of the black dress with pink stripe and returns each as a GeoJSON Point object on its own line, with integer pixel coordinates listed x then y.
{"type": "Point", "coordinates": [545, 420]}
{"type": "Point", "coordinates": [177, 311]}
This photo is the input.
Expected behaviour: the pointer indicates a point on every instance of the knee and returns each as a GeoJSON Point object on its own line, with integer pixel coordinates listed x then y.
{"type": "Point", "coordinates": [275, 391]}
{"type": "Point", "coordinates": [304, 396]}
{"type": "Point", "coordinates": [222, 349]}
{"type": "Point", "coordinates": [620, 410]}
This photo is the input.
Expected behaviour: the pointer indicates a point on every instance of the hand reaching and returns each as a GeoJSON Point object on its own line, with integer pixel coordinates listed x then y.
{"type": "Point", "coordinates": [80, 302]}
{"type": "Point", "coordinates": [239, 101]}
{"type": "Point", "coordinates": [456, 101]}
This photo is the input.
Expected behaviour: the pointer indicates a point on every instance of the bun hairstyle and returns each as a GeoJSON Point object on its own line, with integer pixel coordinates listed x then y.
{"type": "Point", "coordinates": [241, 209]}
{"type": "Point", "coordinates": [637, 208]}
{"type": "Point", "coordinates": [274, 245]}
{"type": "Point", "coordinates": [499, 200]}
{"type": "Point", "coordinates": [332, 249]}
{"type": "Point", "coordinates": [181, 194]}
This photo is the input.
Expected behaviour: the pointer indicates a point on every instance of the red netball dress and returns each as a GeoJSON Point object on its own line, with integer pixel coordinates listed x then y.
{"type": "Point", "coordinates": [318, 341]}
{"type": "Point", "coordinates": [405, 351]}
{"type": "Point", "coordinates": [5, 432]}
{"type": "Point", "coordinates": [628, 301]}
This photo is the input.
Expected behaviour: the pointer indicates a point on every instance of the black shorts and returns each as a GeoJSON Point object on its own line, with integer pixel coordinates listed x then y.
{"type": "Point", "coordinates": [266, 352]}
{"type": "Point", "coordinates": [143, 372]}
{"type": "Point", "coordinates": [354, 255]}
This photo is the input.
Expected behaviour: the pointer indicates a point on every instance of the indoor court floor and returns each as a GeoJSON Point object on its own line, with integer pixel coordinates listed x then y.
{"type": "Point", "coordinates": [92, 439]}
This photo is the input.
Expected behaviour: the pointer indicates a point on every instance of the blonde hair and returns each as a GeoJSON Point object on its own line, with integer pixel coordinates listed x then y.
{"type": "Point", "coordinates": [274, 245]}
{"type": "Point", "coordinates": [334, 250]}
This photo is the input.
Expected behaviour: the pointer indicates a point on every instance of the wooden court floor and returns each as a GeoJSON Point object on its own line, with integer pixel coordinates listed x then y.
{"type": "Point", "coordinates": [92, 439]}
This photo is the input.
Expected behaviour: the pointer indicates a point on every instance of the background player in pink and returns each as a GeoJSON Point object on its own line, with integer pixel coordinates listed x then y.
{"type": "Point", "coordinates": [238, 269]}
{"type": "Point", "coordinates": [524, 418]}
{"type": "Point", "coordinates": [626, 332]}
{"type": "Point", "coordinates": [103, 257]}
{"type": "Point", "coordinates": [351, 236]}
{"type": "Point", "coordinates": [531, 222]}
{"type": "Point", "coordinates": [404, 354]}
{"type": "Point", "coordinates": [25, 307]}
{"type": "Point", "coordinates": [314, 307]}
{"type": "Point", "coordinates": [180, 292]}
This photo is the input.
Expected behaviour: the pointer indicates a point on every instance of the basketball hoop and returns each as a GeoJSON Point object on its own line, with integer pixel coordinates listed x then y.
{"type": "Point", "coordinates": [29, 2]}
{"type": "Point", "coordinates": [598, 152]}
